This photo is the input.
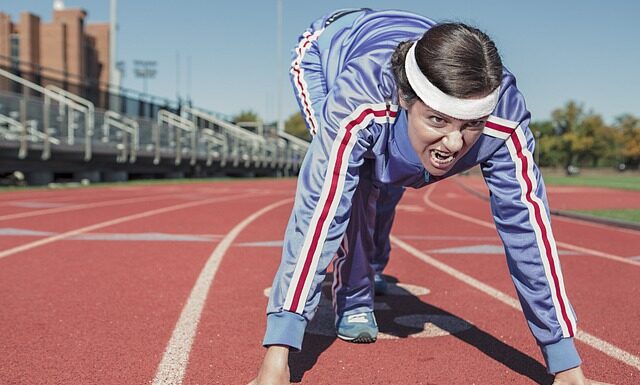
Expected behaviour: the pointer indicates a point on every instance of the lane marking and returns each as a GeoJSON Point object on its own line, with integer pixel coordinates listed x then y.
{"type": "Point", "coordinates": [482, 249]}
{"type": "Point", "coordinates": [89, 206]}
{"type": "Point", "coordinates": [174, 362]}
{"type": "Point", "coordinates": [40, 198]}
{"type": "Point", "coordinates": [410, 208]}
{"type": "Point", "coordinates": [430, 326]}
{"type": "Point", "coordinates": [261, 244]}
{"type": "Point", "coordinates": [596, 225]}
{"type": "Point", "coordinates": [59, 197]}
{"type": "Point", "coordinates": [490, 225]}
{"type": "Point", "coordinates": [39, 204]}
{"type": "Point", "coordinates": [152, 237]}
{"type": "Point", "coordinates": [591, 340]}
{"type": "Point", "coordinates": [86, 229]}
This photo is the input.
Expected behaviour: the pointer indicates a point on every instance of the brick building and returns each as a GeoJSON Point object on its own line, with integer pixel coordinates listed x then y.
{"type": "Point", "coordinates": [66, 51]}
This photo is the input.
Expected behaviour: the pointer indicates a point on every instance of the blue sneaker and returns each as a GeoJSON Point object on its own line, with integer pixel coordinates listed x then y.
{"type": "Point", "coordinates": [359, 328]}
{"type": "Point", "coordinates": [380, 286]}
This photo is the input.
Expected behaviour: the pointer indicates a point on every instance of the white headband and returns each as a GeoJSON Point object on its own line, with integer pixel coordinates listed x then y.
{"type": "Point", "coordinates": [441, 102]}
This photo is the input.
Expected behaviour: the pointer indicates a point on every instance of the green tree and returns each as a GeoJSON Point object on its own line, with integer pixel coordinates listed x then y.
{"type": "Point", "coordinates": [584, 137]}
{"type": "Point", "coordinates": [549, 146]}
{"type": "Point", "coordinates": [628, 139]}
{"type": "Point", "coordinates": [246, 116]}
{"type": "Point", "coordinates": [296, 126]}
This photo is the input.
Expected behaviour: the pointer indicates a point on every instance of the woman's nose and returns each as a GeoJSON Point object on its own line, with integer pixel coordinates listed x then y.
{"type": "Point", "coordinates": [453, 141]}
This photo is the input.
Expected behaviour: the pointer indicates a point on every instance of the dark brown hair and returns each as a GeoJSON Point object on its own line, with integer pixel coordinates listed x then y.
{"type": "Point", "coordinates": [460, 60]}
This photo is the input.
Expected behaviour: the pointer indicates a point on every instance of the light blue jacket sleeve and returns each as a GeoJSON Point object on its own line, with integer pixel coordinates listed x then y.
{"type": "Point", "coordinates": [348, 124]}
{"type": "Point", "coordinates": [520, 211]}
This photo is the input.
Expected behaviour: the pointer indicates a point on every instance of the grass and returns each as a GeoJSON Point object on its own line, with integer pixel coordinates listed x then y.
{"type": "Point", "coordinates": [629, 215]}
{"type": "Point", "coordinates": [618, 181]}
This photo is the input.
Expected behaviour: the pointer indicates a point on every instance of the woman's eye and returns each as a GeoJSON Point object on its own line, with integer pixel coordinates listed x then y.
{"type": "Point", "coordinates": [436, 119]}
{"type": "Point", "coordinates": [475, 124]}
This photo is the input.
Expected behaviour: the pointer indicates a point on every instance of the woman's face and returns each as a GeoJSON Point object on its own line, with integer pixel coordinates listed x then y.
{"type": "Point", "coordinates": [438, 139]}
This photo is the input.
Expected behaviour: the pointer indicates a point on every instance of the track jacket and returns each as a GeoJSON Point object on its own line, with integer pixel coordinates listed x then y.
{"type": "Point", "coordinates": [360, 120]}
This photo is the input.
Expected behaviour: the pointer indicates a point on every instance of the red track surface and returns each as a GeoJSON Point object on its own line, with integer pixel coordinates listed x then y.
{"type": "Point", "coordinates": [82, 311]}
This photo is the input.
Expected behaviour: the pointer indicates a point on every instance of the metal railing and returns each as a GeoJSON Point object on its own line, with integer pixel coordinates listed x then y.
{"type": "Point", "coordinates": [70, 121]}
{"type": "Point", "coordinates": [89, 115]}
{"type": "Point", "coordinates": [175, 124]}
{"type": "Point", "coordinates": [11, 129]}
{"type": "Point", "coordinates": [296, 150]}
{"type": "Point", "coordinates": [242, 145]}
{"type": "Point", "coordinates": [129, 134]}
{"type": "Point", "coordinates": [64, 103]}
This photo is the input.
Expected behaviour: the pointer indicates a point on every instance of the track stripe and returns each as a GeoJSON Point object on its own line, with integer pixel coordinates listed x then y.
{"type": "Point", "coordinates": [593, 341]}
{"type": "Point", "coordinates": [86, 229]}
{"type": "Point", "coordinates": [174, 362]}
{"type": "Point", "coordinates": [498, 127]}
{"type": "Point", "coordinates": [329, 199]}
{"type": "Point", "coordinates": [337, 269]}
{"type": "Point", "coordinates": [84, 206]}
{"type": "Point", "coordinates": [539, 221]}
{"type": "Point", "coordinates": [300, 83]}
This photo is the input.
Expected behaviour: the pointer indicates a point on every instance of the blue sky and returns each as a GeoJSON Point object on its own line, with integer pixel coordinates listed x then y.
{"type": "Point", "coordinates": [585, 50]}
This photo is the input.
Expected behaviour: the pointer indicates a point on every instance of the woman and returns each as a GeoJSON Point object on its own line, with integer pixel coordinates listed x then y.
{"type": "Point", "coordinates": [396, 100]}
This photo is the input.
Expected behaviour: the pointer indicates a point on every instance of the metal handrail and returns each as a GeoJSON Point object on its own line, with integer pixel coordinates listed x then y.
{"type": "Point", "coordinates": [224, 124]}
{"type": "Point", "coordinates": [300, 142]}
{"type": "Point", "coordinates": [128, 126]}
{"type": "Point", "coordinates": [255, 141]}
{"type": "Point", "coordinates": [297, 142]}
{"type": "Point", "coordinates": [28, 132]}
{"type": "Point", "coordinates": [34, 134]}
{"type": "Point", "coordinates": [49, 94]}
{"type": "Point", "coordinates": [181, 123]}
{"type": "Point", "coordinates": [89, 116]}
{"type": "Point", "coordinates": [213, 138]}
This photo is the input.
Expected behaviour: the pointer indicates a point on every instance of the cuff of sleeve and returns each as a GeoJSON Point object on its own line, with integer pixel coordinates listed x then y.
{"type": "Point", "coordinates": [560, 356]}
{"type": "Point", "coordinates": [285, 328]}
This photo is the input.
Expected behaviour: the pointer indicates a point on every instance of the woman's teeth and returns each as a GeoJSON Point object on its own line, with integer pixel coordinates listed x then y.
{"type": "Point", "coordinates": [441, 158]}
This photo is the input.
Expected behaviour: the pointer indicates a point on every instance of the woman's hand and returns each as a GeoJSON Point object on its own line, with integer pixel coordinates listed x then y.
{"type": "Point", "coordinates": [574, 377]}
{"type": "Point", "coordinates": [275, 367]}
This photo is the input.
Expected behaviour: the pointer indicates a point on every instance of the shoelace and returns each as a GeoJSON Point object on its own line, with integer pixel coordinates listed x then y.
{"type": "Point", "coordinates": [358, 318]}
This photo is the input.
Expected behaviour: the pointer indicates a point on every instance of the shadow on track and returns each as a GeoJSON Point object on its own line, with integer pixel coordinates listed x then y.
{"type": "Point", "coordinates": [412, 314]}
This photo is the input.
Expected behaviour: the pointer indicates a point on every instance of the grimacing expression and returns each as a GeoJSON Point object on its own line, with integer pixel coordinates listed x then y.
{"type": "Point", "coordinates": [438, 139]}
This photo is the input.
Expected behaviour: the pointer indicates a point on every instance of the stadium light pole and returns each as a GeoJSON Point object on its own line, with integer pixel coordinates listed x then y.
{"type": "Point", "coordinates": [280, 66]}
{"type": "Point", "coordinates": [145, 69]}
{"type": "Point", "coordinates": [114, 71]}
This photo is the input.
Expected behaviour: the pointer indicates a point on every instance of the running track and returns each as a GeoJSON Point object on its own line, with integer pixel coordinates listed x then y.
{"type": "Point", "coordinates": [166, 284]}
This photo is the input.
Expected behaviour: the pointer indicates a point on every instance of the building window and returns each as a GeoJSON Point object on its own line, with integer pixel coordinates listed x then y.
{"type": "Point", "coordinates": [15, 52]}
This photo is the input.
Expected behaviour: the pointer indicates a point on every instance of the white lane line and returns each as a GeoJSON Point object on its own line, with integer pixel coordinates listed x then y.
{"type": "Point", "coordinates": [86, 229]}
{"type": "Point", "coordinates": [134, 237]}
{"type": "Point", "coordinates": [596, 225]}
{"type": "Point", "coordinates": [39, 198]}
{"type": "Point", "coordinates": [81, 206]}
{"type": "Point", "coordinates": [591, 340]}
{"type": "Point", "coordinates": [174, 362]}
{"type": "Point", "coordinates": [89, 206]}
{"type": "Point", "coordinates": [490, 225]}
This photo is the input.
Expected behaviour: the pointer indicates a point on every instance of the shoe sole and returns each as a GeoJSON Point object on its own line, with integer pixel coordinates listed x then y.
{"type": "Point", "coordinates": [362, 338]}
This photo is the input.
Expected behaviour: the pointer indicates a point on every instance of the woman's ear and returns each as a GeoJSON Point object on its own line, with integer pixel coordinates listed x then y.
{"type": "Point", "coordinates": [402, 100]}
